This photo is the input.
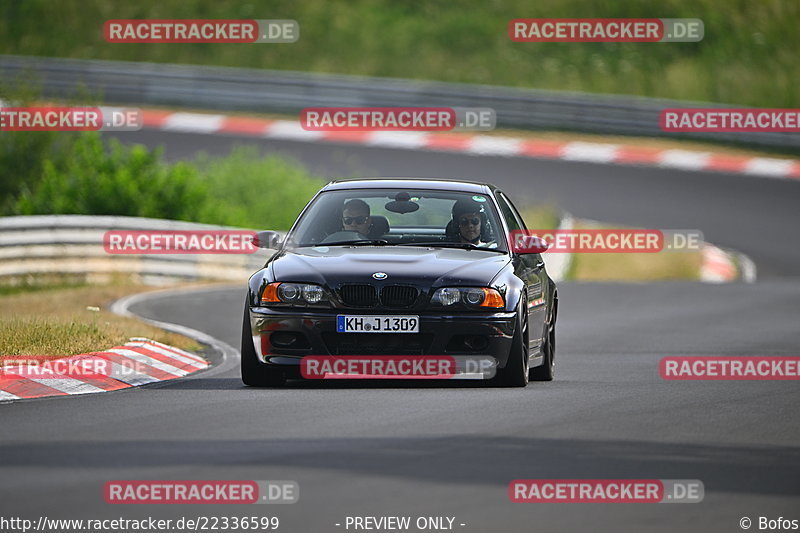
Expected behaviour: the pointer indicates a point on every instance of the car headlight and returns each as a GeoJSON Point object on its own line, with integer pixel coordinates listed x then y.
{"type": "Point", "coordinates": [288, 292]}
{"type": "Point", "coordinates": [312, 293]}
{"type": "Point", "coordinates": [473, 297]}
{"type": "Point", "coordinates": [447, 296]}
{"type": "Point", "coordinates": [293, 294]}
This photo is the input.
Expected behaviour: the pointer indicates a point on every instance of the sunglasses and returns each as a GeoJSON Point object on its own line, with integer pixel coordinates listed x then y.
{"type": "Point", "coordinates": [473, 221]}
{"type": "Point", "coordinates": [355, 220]}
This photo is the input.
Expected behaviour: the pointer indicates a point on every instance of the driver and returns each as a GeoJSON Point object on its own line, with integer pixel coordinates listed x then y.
{"type": "Point", "coordinates": [470, 218]}
{"type": "Point", "coordinates": [355, 217]}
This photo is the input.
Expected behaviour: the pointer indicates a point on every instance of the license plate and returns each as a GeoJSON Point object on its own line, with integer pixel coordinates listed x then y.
{"type": "Point", "coordinates": [377, 324]}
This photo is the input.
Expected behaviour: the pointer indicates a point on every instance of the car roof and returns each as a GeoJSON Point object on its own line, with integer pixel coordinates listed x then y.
{"type": "Point", "coordinates": [409, 183]}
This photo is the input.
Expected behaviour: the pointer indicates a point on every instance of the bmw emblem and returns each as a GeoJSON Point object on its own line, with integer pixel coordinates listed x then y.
{"type": "Point", "coordinates": [380, 275]}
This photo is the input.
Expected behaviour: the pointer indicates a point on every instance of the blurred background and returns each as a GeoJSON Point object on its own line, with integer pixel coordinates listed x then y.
{"type": "Point", "coordinates": [748, 56]}
{"type": "Point", "coordinates": [370, 53]}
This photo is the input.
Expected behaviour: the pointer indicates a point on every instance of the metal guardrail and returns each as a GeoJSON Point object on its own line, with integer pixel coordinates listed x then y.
{"type": "Point", "coordinates": [73, 245]}
{"type": "Point", "coordinates": [46, 245]}
{"type": "Point", "coordinates": [223, 88]}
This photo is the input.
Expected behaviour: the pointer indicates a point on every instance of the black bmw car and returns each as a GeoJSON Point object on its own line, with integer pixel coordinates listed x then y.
{"type": "Point", "coordinates": [401, 267]}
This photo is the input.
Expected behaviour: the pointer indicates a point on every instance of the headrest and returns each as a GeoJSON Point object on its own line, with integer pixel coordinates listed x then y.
{"type": "Point", "coordinates": [380, 226]}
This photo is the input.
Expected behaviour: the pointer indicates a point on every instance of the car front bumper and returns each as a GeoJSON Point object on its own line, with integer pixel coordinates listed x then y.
{"type": "Point", "coordinates": [284, 336]}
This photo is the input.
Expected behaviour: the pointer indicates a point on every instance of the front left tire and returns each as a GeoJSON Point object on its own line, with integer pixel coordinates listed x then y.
{"type": "Point", "coordinates": [254, 372]}
{"type": "Point", "coordinates": [515, 373]}
{"type": "Point", "coordinates": [547, 370]}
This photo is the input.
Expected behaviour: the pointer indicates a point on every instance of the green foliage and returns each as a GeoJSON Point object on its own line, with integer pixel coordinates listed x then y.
{"type": "Point", "coordinates": [242, 189]}
{"type": "Point", "coordinates": [22, 158]}
{"type": "Point", "coordinates": [128, 181]}
{"type": "Point", "coordinates": [253, 191]}
{"type": "Point", "coordinates": [748, 56]}
{"type": "Point", "coordinates": [22, 154]}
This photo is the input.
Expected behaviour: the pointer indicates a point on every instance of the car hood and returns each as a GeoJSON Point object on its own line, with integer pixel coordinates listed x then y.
{"type": "Point", "coordinates": [422, 267]}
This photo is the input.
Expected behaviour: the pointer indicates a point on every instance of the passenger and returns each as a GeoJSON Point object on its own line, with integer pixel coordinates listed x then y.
{"type": "Point", "coordinates": [469, 216]}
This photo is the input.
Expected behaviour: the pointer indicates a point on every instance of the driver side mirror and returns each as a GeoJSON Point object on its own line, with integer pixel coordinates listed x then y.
{"type": "Point", "coordinates": [267, 239]}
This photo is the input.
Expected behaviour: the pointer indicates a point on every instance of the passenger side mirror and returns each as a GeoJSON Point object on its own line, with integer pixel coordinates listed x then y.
{"type": "Point", "coordinates": [529, 244]}
{"type": "Point", "coordinates": [267, 239]}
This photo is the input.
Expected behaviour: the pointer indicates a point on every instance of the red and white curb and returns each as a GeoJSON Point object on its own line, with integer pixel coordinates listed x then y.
{"type": "Point", "coordinates": [619, 154]}
{"type": "Point", "coordinates": [720, 266]}
{"type": "Point", "coordinates": [138, 362]}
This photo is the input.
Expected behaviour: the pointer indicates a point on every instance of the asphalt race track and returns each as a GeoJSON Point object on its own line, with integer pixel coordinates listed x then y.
{"type": "Point", "coordinates": [367, 449]}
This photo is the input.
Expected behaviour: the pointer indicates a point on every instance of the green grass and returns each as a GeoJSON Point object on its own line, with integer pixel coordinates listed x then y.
{"type": "Point", "coordinates": [538, 217]}
{"type": "Point", "coordinates": [622, 267]}
{"type": "Point", "coordinates": [10, 287]}
{"type": "Point", "coordinates": [636, 267]}
{"type": "Point", "coordinates": [62, 320]}
{"type": "Point", "coordinates": [748, 56]}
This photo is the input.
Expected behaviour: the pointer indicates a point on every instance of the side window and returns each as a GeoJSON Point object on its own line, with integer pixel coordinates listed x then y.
{"type": "Point", "coordinates": [513, 220]}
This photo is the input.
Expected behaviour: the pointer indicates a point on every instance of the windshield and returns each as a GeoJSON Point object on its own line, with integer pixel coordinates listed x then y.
{"type": "Point", "coordinates": [399, 217]}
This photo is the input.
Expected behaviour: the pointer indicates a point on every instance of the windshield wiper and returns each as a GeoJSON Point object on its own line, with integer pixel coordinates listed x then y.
{"type": "Point", "coordinates": [445, 244]}
{"type": "Point", "coordinates": [358, 242]}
